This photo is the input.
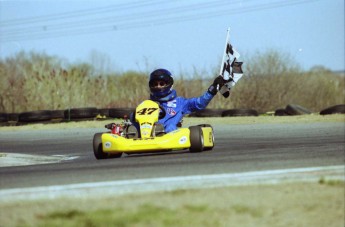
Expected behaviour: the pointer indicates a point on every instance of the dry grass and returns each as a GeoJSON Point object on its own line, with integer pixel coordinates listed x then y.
{"type": "Point", "coordinates": [294, 204]}
{"type": "Point", "coordinates": [32, 81]}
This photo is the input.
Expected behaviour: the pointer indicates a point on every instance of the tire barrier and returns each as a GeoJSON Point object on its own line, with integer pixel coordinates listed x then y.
{"type": "Point", "coordinates": [280, 112]}
{"type": "Point", "coordinates": [120, 112]}
{"type": "Point", "coordinates": [207, 113]}
{"type": "Point", "coordinates": [224, 113]}
{"type": "Point", "coordinates": [54, 116]}
{"type": "Point", "coordinates": [337, 109]}
{"type": "Point", "coordinates": [292, 110]}
{"type": "Point", "coordinates": [239, 112]}
{"type": "Point", "coordinates": [80, 113]}
{"type": "Point", "coordinates": [103, 113]}
{"type": "Point", "coordinates": [12, 117]}
{"type": "Point", "coordinates": [92, 113]}
{"type": "Point", "coordinates": [57, 114]}
{"type": "Point", "coordinates": [3, 117]}
{"type": "Point", "coordinates": [34, 116]}
{"type": "Point", "coordinates": [7, 119]}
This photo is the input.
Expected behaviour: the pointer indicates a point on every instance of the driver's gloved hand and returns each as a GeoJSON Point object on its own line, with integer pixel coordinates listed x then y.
{"type": "Point", "coordinates": [217, 84]}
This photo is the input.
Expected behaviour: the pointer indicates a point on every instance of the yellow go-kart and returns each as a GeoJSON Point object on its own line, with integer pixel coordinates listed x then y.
{"type": "Point", "coordinates": [149, 136]}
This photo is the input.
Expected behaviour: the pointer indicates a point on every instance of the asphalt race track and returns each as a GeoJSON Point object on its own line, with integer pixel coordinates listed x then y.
{"type": "Point", "coordinates": [239, 149]}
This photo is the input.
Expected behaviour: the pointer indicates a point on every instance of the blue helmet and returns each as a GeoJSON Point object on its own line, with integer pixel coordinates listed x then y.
{"type": "Point", "coordinates": [166, 79]}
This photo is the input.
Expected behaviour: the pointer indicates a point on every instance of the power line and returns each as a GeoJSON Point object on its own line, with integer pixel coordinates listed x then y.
{"type": "Point", "coordinates": [150, 21]}
{"type": "Point", "coordinates": [78, 13]}
{"type": "Point", "coordinates": [120, 18]}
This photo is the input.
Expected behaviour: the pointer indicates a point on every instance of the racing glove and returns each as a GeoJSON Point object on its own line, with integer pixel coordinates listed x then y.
{"type": "Point", "coordinates": [217, 84]}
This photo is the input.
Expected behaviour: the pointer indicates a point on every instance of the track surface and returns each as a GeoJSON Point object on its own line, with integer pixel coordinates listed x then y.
{"type": "Point", "coordinates": [239, 148]}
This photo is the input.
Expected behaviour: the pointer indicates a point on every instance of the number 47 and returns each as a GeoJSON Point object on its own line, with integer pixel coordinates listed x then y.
{"type": "Point", "coordinates": [147, 111]}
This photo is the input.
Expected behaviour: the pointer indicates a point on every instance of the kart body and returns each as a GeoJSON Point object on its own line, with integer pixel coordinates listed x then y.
{"type": "Point", "coordinates": [149, 136]}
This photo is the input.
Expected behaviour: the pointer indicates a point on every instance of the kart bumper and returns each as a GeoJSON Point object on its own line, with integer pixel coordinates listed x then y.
{"type": "Point", "coordinates": [176, 140]}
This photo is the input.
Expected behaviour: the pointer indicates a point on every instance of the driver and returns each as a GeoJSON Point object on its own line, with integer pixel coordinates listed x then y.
{"type": "Point", "coordinates": [161, 90]}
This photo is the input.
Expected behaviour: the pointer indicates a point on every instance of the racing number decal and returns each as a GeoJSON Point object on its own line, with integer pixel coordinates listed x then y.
{"type": "Point", "coordinates": [147, 111]}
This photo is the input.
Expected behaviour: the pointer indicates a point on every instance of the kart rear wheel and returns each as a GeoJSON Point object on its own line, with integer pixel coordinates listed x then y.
{"type": "Point", "coordinates": [131, 132]}
{"type": "Point", "coordinates": [97, 147]}
{"type": "Point", "coordinates": [196, 139]}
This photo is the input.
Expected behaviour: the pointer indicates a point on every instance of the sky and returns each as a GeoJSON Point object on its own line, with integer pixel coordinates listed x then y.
{"type": "Point", "coordinates": [177, 35]}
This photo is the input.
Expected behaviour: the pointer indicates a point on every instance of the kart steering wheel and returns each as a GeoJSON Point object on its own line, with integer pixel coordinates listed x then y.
{"type": "Point", "coordinates": [162, 112]}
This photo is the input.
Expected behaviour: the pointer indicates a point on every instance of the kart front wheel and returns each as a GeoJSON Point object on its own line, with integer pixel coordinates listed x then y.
{"type": "Point", "coordinates": [97, 147]}
{"type": "Point", "coordinates": [196, 139]}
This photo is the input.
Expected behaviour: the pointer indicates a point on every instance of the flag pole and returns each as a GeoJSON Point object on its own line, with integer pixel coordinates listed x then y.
{"type": "Point", "coordinates": [224, 53]}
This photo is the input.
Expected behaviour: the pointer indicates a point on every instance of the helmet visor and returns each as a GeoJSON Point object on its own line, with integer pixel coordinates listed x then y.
{"type": "Point", "coordinates": [158, 84]}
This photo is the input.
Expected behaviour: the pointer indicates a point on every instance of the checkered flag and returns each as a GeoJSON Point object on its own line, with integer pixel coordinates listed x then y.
{"type": "Point", "coordinates": [231, 69]}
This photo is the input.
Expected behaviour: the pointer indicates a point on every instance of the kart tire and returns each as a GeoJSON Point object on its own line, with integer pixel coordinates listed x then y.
{"type": "Point", "coordinates": [3, 117]}
{"type": "Point", "coordinates": [97, 147]}
{"type": "Point", "coordinates": [208, 125]}
{"type": "Point", "coordinates": [207, 113]}
{"type": "Point", "coordinates": [205, 125]}
{"type": "Point", "coordinates": [196, 139]}
{"type": "Point", "coordinates": [34, 116]}
{"type": "Point", "coordinates": [13, 117]}
{"type": "Point", "coordinates": [280, 112]}
{"type": "Point", "coordinates": [293, 109]}
{"type": "Point", "coordinates": [57, 114]}
{"type": "Point", "coordinates": [239, 113]}
{"type": "Point", "coordinates": [115, 155]}
{"type": "Point", "coordinates": [131, 132]}
{"type": "Point", "coordinates": [158, 130]}
{"type": "Point", "coordinates": [120, 112]}
{"type": "Point", "coordinates": [337, 109]}
{"type": "Point", "coordinates": [80, 113]}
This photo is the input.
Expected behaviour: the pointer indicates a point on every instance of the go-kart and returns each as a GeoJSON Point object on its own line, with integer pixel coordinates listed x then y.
{"type": "Point", "coordinates": [147, 135]}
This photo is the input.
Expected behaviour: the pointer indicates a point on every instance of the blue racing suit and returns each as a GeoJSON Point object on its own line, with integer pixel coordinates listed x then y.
{"type": "Point", "coordinates": [176, 107]}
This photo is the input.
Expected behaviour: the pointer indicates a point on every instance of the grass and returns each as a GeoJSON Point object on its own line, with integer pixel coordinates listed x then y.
{"type": "Point", "coordinates": [293, 204]}
{"type": "Point", "coordinates": [330, 182]}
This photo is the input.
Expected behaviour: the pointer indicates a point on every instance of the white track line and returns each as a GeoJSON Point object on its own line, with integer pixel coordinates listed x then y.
{"type": "Point", "coordinates": [173, 183]}
{"type": "Point", "coordinates": [15, 159]}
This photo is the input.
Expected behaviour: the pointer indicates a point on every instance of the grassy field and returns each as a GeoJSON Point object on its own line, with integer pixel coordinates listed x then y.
{"type": "Point", "coordinates": [318, 204]}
